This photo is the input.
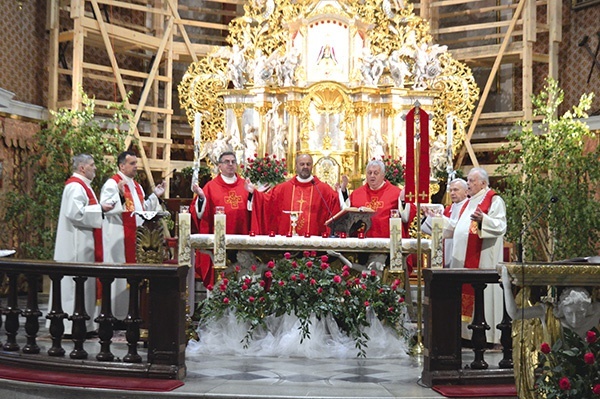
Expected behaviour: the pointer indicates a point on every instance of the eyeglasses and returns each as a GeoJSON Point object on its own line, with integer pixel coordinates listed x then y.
{"type": "Point", "coordinates": [229, 162]}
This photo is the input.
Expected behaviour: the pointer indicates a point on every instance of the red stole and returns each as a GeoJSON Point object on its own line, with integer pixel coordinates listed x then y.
{"type": "Point", "coordinates": [129, 220]}
{"type": "Point", "coordinates": [382, 201]}
{"type": "Point", "coordinates": [423, 173]}
{"type": "Point", "coordinates": [98, 252]}
{"type": "Point", "coordinates": [473, 253]}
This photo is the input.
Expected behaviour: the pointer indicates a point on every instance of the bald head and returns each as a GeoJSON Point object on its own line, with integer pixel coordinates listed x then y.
{"type": "Point", "coordinates": [304, 164]}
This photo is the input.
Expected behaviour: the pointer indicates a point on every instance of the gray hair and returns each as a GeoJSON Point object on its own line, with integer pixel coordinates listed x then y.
{"type": "Point", "coordinates": [81, 159]}
{"type": "Point", "coordinates": [460, 182]}
{"type": "Point", "coordinates": [378, 163]}
{"type": "Point", "coordinates": [482, 174]}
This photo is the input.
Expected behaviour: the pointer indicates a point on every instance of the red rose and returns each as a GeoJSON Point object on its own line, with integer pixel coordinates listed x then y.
{"type": "Point", "coordinates": [222, 287]}
{"type": "Point", "coordinates": [244, 287]}
{"type": "Point", "coordinates": [545, 348]}
{"type": "Point", "coordinates": [293, 277]}
{"type": "Point", "coordinates": [337, 279]}
{"type": "Point", "coordinates": [306, 254]}
{"type": "Point", "coordinates": [401, 299]}
{"type": "Point", "coordinates": [225, 281]}
{"type": "Point", "coordinates": [367, 303]}
{"type": "Point", "coordinates": [346, 293]}
{"type": "Point", "coordinates": [564, 384]}
{"type": "Point", "coordinates": [591, 337]}
{"type": "Point", "coordinates": [309, 264]}
{"type": "Point", "coordinates": [268, 274]}
{"type": "Point", "coordinates": [294, 264]}
{"type": "Point", "coordinates": [313, 253]}
{"type": "Point", "coordinates": [302, 276]}
{"type": "Point", "coordinates": [251, 299]}
{"type": "Point", "coordinates": [373, 273]}
{"type": "Point", "coordinates": [270, 264]}
{"type": "Point", "coordinates": [253, 268]}
{"type": "Point", "coordinates": [313, 281]}
{"type": "Point", "coordinates": [287, 255]}
{"type": "Point", "coordinates": [248, 280]}
{"type": "Point", "coordinates": [589, 358]}
{"type": "Point", "coordinates": [324, 266]}
{"type": "Point", "coordinates": [262, 283]}
{"type": "Point", "coordinates": [319, 290]}
{"type": "Point", "coordinates": [209, 287]}
{"type": "Point", "coordinates": [596, 389]}
{"type": "Point", "coordinates": [281, 283]}
{"type": "Point", "coordinates": [391, 309]}
{"type": "Point", "coordinates": [324, 258]}
{"type": "Point", "coordinates": [345, 273]}
{"type": "Point", "coordinates": [237, 268]}
{"type": "Point", "coordinates": [226, 300]}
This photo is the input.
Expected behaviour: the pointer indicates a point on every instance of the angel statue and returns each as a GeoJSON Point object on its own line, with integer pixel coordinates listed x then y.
{"type": "Point", "coordinates": [398, 68]}
{"type": "Point", "coordinates": [376, 144]}
{"type": "Point", "coordinates": [286, 69]}
{"type": "Point", "coordinates": [438, 155]}
{"type": "Point", "coordinates": [250, 141]}
{"type": "Point", "coordinates": [236, 67]}
{"type": "Point", "coordinates": [427, 65]}
{"type": "Point", "coordinates": [263, 68]}
{"type": "Point", "coordinates": [372, 67]}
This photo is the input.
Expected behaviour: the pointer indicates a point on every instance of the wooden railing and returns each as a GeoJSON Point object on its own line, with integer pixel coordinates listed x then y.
{"type": "Point", "coordinates": [443, 362]}
{"type": "Point", "coordinates": [166, 324]}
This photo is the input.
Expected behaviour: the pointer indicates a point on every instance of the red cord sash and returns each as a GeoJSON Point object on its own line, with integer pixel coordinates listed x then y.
{"type": "Point", "coordinates": [129, 220]}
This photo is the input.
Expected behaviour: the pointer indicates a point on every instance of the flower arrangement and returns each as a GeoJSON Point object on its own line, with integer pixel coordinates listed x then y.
{"type": "Point", "coordinates": [570, 368]}
{"type": "Point", "coordinates": [265, 170]}
{"type": "Point", "coordinates": [304, 286]}
{"type": "Point", "coordinates": [394, 170]}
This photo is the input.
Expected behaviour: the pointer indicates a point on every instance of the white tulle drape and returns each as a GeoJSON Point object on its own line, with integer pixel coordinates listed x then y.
{"type": "Point", "coordinates": [282, 335]}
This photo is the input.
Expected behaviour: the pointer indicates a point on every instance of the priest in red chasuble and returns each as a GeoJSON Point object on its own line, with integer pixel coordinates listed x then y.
{"type": "Point", "coordinates": [381, 196]}
{"type": "Point", "coordinates": [226, 190]}
{"type": "Point", "coordinates": [316, 201]}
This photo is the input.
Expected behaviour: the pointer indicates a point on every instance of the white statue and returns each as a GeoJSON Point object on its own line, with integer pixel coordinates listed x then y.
{"type": "Point", "coordinates": [287, 67]}
{"type": "Point", "coordinates": [263, 69]}
{"type": "Point", "coordinates": [236, 67]}
{"type": "Point", "coordinates": [398, 68]}
{"type": "Point", "coordinates": [219, 146]}
{"type": "Point", "coordinates": [376, 144]}
{"type": "Point", "coordinates": [235, 143]}
{"type": "Point", "coordinates": [427, 65]}
{"type": "Point", "coordinates": [438, 155]}
{"type": "Point", "coordinates": [372, 67]}
{"type": "Point", "coordinates": [251, 142]}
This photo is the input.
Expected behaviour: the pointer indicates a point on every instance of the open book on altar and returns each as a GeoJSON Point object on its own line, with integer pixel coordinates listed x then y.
{"type": "Point", "coordinates": [351, 220]}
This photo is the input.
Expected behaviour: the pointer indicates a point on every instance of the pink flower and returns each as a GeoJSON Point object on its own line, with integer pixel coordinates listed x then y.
{"type": "Point", "coordinates": [309, 264]}
{"type": "Point", "coordinates": [373, 273]}
{"type": "Point", "coordinates": [262, 283]}
{"type": "Point", "coordinates": [545, 348]}
{"type": "Point", "coordinates": [363, 286]}
{"type": "Point", "coordinates": [345, 268]}
{"type": "Point", "coordinates": [401, 299]}
{"type": "Point", "coordinates": [281, 283]}
{"type": "Point", "coordinates": [225, 301]}
{"type": "Point", "coordinates": [253, 268]}
{"type": "Point", "coordinates": [294, 264]}
{"type": "Point", "coordinates": [306, 254]}
{"type": "Point", "coordinates": [237, 268]}
{"type": "Point", "coordinates": [319, 290]}
{"type": "Point", "coordinates": [247, 280]}
{"type": "Point", "coordinates": [302, 276]}
{"type": "Point", "coordinates": [268, 274]}
{"type": "Point", "coordinates": [591, 337]}
{"type": "Point", "coordinates": [367, 303]}
{"type": "Point", "coordinates": [270, 264]}
{"type": "Point", "coordinates": [324, 258]}
{"type": "Point", "coordinates": [293, 277]}
{"type": "Point", "coordinates": [287, 255]}
{"type": "Point", "coordinates": [210, 287]}
{"type": "Point", "coordinates": [364, 274]}
{"type": "Point", "coordinates": [261, 299]}
{"type": "Point", "coordinates": [589, 358]}
{"type": "Point", "coordinates": [345, 273]}
{"type": "Point", "coordinates": [391, 309]}
{"type": "Point", "coordinates": [596, 389]}
{"type": "Point", "coordinates": [346, 293]}
{"type": "Point", "coordinates": [324, 266]}
{"type": "Point", "coordinates": [356, 281]}
{"type": "Point", "coordinates": [337, 279]}
{"type": "Point", "coordinates": [222, 287]}
{"type": "Point", "coordinates": [313, 253]}
{"type": "Point", "coordinates": [244, 287]}
{"type": "Point", "coordinates": [251, 299]}
{"type": "Point", "coordinates": [225, 281]}
{"type": "Point", "coordinates": [564, 384]}
{"type": "Point", "coordinates": [313, 281]}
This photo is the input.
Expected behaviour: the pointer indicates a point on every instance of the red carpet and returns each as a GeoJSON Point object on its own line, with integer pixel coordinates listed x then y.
{"type": "Point", "coordinates": [476, 391]}
{"type": "Point", "coordinates": [87, 380]}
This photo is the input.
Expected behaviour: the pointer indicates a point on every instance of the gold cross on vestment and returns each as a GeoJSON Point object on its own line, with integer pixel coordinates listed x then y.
{"type": "Point", "coordinates": [423, 196]}
{"type": "Point", "coordinates": [301, 201]}
{"type": "Point", "coordinates": [410, 197]}
{"type": "Point", "coordinates": [374, 204]}
{"type": "Point", "coordinates": [233, 199]}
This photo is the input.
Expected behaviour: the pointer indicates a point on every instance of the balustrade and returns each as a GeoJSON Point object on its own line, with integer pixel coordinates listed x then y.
{"type": "Point", "coordinates": [166, 335]}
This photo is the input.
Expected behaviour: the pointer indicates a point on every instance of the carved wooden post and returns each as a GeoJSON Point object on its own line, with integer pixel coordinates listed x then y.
{"type": "Point", "coordinates": [105, 322]}
{"type": "Point", "coordinates": [79, 318]}
{"type": "Point", "coordinates": [133, 321]}
{"type": "Point", "coordinates": [32, 314]}
{"type": "Point", "coordinates": [12, 313]}
{"type": "Point", "coordinates": [479, 327]}
{"type": "Point", "coordinates": [505, 327]}
{"type": "Point", "coordinates": [56, 317]}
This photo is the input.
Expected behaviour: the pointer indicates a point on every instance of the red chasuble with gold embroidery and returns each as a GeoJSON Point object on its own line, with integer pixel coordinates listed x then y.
{"type": "Point", "coordinates": [382, 201]}
{"type": "Point", "coordinates": [316, 200]}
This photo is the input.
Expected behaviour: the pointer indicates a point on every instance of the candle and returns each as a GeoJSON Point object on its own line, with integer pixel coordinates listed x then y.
{"type": "Point", "coordinates": [219, 245]}
{"type": "Point", "coordinates": [343, 234]}
{"type": "Point", "coordinates": [437, 245]}
{"type": "Point", "coordinates": [395, 244]}
{"type": "Point", "coordinates": [307, 235]}
{"type": "Point", "coordinates": [252, 233]}
{"type": "Point", "coordinates": [184, 234]}
{"type": "Point", "coordinates": [324, 235]}
{"type": "Point", "coordinates": [271, 233]}
{"type": "Point", "coordinates": [197, 127]}
{"type": "Point", "coordinates": [449, 138]}
{"type": "Point", "coordinates": [361, 235]}
{"type": "Point", "coordinates": [289, 234]}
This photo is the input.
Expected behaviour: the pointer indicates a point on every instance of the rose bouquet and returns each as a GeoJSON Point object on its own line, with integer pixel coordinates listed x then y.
{"type": "Point", "coordinates": [570, 368]}
{"type": "Point", "coordinates": [394, 170]}
{"type": "Point", "coordinates": [303, 287]}
{"type": "Point", "coordinates": [265, 170]}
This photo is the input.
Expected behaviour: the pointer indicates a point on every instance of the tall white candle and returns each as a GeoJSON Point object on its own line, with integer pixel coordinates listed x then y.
{"type": "Point", "coordinates": [396, 244]}
{"type": "Point", "coordinates": [197, 127]}
{"type": "Point", "coordinates": [184, 250]}
{"type": "Point", "coordinates": [219, 258]}
{"type": "Point", "coordinates": [437, 245]}
{"type": "Point", "coordinates": [449, 133]}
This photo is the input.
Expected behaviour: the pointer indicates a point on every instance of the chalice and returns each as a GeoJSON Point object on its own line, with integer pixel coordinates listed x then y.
{"type": "Point", "coordinates": [294, 216]}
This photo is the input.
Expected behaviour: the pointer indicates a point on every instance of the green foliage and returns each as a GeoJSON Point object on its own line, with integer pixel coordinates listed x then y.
{"type": "Point", "coordinates": [302, 287]}
{"type": "Point", "coordinates": [570, 369]}
{"type": "Point", "coordinates": [553, 162]}
{"type": "Point", "coordinates": [32, 212]}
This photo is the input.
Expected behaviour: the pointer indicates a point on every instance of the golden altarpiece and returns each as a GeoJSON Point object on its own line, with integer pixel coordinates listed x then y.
{"type": "Point", "coordinates": [330, 78]}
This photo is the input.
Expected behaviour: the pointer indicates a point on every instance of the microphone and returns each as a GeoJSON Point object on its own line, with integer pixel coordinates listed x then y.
{"type": "Point", "coordinates": [553, 200]}
{"type": "Point", "coordinates": [314, 183]}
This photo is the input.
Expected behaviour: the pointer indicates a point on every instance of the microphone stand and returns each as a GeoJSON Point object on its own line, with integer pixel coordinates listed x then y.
{"type": "Point", "coordinates": [553, 200]}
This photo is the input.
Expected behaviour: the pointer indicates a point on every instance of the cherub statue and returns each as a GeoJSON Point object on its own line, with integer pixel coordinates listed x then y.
{"type": "Point", "coordinates": [427, 65]}
{"type": "Point", "coordinates": [372, 67]}
{"type": "Point", "coordinates": [251, 142]}
{"type": "Point", "coordinates": [287, 67]}
{"type": "Point", "coordinates": [263, 68]}
{"type": "Point", "coordinates": [219, 146]}
{"type": "Point", "coordinates": [438, 155]}
{"type": "Point", "coordinates": [376, 144]}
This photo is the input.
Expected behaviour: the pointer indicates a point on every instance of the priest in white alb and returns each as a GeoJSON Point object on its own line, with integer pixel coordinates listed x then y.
{"type": "Point", "coordinates": [478, 242]}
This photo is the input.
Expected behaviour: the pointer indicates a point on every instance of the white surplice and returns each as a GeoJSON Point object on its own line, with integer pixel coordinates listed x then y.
{"type": "Point", "coordinates": [75, 243]}
{"type": "Point", "coordinates": [113, 236]}
{"type": "Point", "coordinates": [454, 213]}
{"type": "Point", "coordinates": [493, 228]}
